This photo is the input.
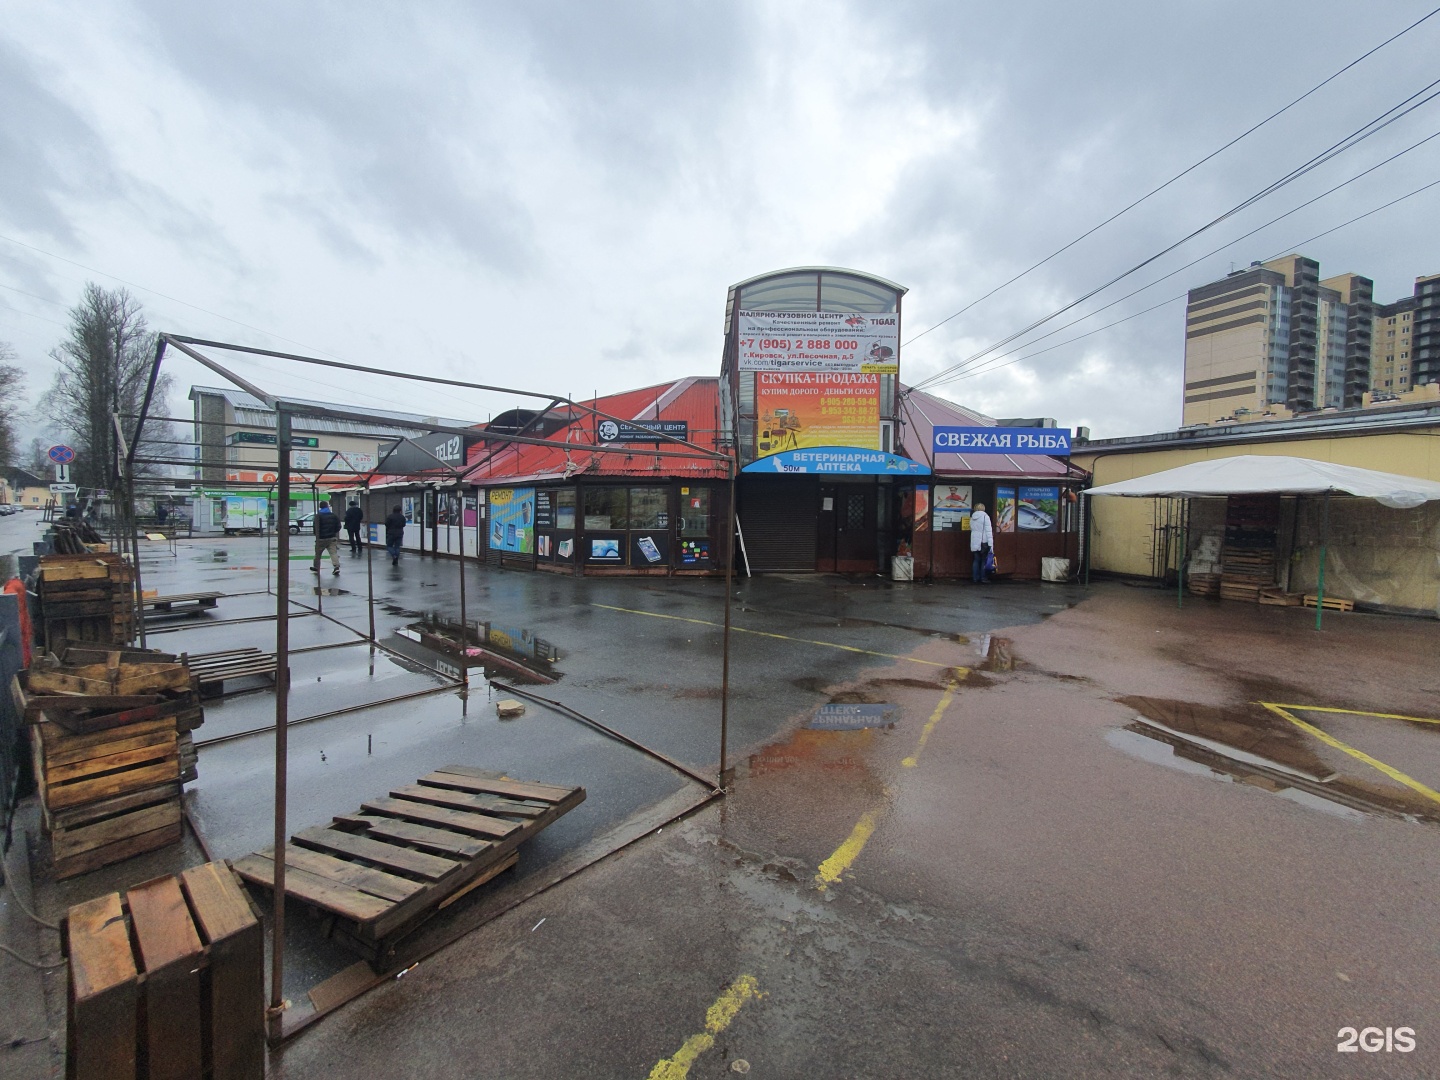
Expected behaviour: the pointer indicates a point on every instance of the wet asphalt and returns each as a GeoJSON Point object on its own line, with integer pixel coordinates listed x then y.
{"type": "Point", "coordinates": [1056, 861]}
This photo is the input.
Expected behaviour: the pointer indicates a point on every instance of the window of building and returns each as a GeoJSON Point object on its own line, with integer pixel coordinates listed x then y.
{"type": "Point", "coordinates": [1388, 382]}
{"type": "Point", "coordinates": [1404, 356]}
{"type": "Point", "coordinates": [565, 509]}
{"type": "Point", "coordinates": [649, 507]}
{"type": "Point", "coordinates": [605, 508]}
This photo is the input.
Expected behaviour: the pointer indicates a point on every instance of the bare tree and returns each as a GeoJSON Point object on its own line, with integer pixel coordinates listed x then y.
{"type": "Point", "coordinates": [104, 364]}
{"type": "Point", "coordinates": [38, 461]}
{"type": "Point", "coordinates": [12, 386]}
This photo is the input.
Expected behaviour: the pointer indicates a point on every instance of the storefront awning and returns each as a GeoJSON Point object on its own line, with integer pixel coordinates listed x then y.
{"type": "Point", "coordinates": [1253, 474]}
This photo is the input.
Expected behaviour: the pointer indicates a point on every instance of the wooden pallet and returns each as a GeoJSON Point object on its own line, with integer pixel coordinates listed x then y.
{"type": "Point", "coordinates": [1276, 597]}
{"type": "Point", "coordinates": [398, 860]}
{"type": "Point", "coordinates": [168, 981]}
{"type": "Point", "coordinates": [182, 602]}
{"type": "Point", "coordinates": [1330, 603]}
{"type": "Point", "coordinates": [214, 669]}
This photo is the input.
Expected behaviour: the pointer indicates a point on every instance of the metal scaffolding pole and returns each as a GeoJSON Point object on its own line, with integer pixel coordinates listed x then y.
{"type": "Point", "coordinates": [275, 1015]}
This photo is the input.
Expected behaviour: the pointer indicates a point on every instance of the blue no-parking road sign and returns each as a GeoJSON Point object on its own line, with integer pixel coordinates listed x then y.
{"type": "Point", "coordinates": [62, 455]}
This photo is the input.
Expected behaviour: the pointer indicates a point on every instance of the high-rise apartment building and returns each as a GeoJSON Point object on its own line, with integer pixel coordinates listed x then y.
{"type": "Point", "coordinates": [1274, 334]}
{"type": "Point", "coordinates": [1390, 359]}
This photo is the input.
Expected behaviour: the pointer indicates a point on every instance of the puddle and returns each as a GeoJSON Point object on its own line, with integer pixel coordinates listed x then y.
{"type": "Point", "coordinates": [219, 556]}
{"type": "Point", "coordinates": [838, 716]}
{"type": "Point", "coordinates": [999, 653]}
{"type": "Point", "coordinates": [404, 613]}
{"type": "Point", "coordinates": [502, 652]}
{"type": "Point", "coordinates": [1246, 733]}
{"type": "Point", "coordinates": [1251, 746]}
{"type": "Point", "coordinates": [1138, 740]}
{"type": "Point", "coordinates": [318, 590]}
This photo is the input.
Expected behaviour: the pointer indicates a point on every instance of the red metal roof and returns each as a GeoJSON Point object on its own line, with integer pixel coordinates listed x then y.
{"type": "Point", "coordinates": [695, 400]}
{"type": "Point", "coordinates": [921, 413]}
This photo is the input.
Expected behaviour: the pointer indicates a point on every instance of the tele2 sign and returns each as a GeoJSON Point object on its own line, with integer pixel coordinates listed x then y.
{"type": "Point", "coordinates": [1053, 442]}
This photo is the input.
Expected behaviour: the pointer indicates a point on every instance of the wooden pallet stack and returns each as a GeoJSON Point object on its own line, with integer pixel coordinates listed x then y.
{"type": "Point", "coordinates": [85, 598]}
{"type": "Point", "coordinates": [1247, 557]}
{"type": "Point", "coordinates": [166, 981]}
{"type": "Point", "coordinates": [111, 745]}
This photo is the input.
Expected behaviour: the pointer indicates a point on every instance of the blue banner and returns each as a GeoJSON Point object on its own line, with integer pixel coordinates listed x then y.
{"type": "Point", "coordinates": [841, 460]}
{"type": "Point", "coordinates": [1053, 442]}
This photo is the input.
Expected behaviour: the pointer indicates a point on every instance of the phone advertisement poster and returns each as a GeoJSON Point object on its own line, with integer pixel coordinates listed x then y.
{"type": "Point", "coordinates": [512, 520]}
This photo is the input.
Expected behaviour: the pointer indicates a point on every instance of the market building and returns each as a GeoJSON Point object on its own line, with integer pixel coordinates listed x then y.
{"type": "Point", "coordinates": [1383, 558]}
{"type": "Point", "coordinates": [838, 459]}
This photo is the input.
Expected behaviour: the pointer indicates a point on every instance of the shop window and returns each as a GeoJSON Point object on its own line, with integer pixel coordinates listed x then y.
{"type": "Point", "coordinates": [565, 509]}
{"type": "Point", "coordinates": [695, 511]}
{"type": "Point", "coordinates": [605, 508]}
{"type": "Point", "coordinates": [649, 507]}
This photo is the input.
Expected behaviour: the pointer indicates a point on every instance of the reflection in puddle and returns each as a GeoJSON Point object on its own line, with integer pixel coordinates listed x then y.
{"type": "Point", "coordinates": [848, 716]}
{"type": "Point", "coordinates": [1244, 733]}
{"type": "Point", "coordinates": [1317, 787]}
{"type": "Point", "coordinates": [502, 651]}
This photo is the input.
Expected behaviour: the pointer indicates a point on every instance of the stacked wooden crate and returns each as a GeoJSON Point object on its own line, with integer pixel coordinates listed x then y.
{"type": "Point", "coordinates": [1247, 558]}
{"type": "Point", "coordinates": [167, 981]}
{"type": "Point", "coordinates": [1246, 571]}
{"type": "Point", "coordinates": [106, 742]}
{"type": "Point", "coordinates": [86, 598]}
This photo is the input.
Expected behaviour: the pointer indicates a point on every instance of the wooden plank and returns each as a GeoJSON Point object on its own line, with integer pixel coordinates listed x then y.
{"type": "Point", "coordinates": [492, 872]}
{"type": "Point", "coordinates": [356, 875]}
{"type": "Point", "coordinates": [423, 836]}
{"type": "Point", "coordinates": [236, 1001]}
{"type": "Point", "coordinates": [62, 765]}
{"type": "Point", "coordinates": [341, 899]}
{"type": "Point", "coordinates": [103, 787]}
{"type": "Point", "coordinates": [58, 740]}
{"type": "Point", "coordinates": [425, 814]}
{"type": "Point", "coordinates": [417, 863]}
{"type": "Point", "coordinates": [343, 986]}
{"type": "Point", "coordinates": [465, 800]}
{"type": "Point", "coordinates": [113, 853]}
{"type": "Point", "coordinates": [170, 952]}
{"type": "Point", "coordinates": [481, 780]}
{"type": "Point", "coordinates": [101, 1004]}
{"type": "Point", "coordinates": [67, 842]}
{"type": "Point", "coordinates": [92, 812]}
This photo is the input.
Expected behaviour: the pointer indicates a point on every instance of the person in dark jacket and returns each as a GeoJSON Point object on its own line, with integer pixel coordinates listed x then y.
{"type": "Point", "coordinates": [394, 534]}
{"type": "Point", "coordinates": [353, 517]}
{"type": "Point", "coordinates": [327, 537]}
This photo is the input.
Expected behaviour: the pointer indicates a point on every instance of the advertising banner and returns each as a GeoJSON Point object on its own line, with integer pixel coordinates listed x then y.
{"type": "Point", "coordinates": [608, 431]}
{"type": "Point", "coordinates": [1005, 509]}
{"type": "Point", "coordinates": [512, 520]}
{"type": "Point", "coordinates": [839, 459]}
{"type": "Point", "coordinates": [1038, 509]}
{"type": "Point", "coordinates": [836, 341]}
{"type": "Point", "coordinates": [799, 409]}
{"type": "Point", "coordinates": [953, 503]}
{"type": "Point", "coordinates": [1054, 442]}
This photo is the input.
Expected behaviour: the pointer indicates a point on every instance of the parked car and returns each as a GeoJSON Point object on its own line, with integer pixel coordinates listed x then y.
{"type": "Point", "coordinates": [6, 509]}
{"type": "Point", "coordinates": [304, 523]}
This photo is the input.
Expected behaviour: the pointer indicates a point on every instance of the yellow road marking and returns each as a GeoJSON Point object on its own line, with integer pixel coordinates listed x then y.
{"type": "Point", "coordinates": [717, 1019]}
{"type": "Point", "coordinates": [765, 633]}
{"type": "Point", "coordinates": [945, 699]}
{"type": "Point", "coordinates": [846, 853]}
{"type": "Point", "coordinates": [1359, 755]}
{"type": "Point", "coordinates": [1356, 712]}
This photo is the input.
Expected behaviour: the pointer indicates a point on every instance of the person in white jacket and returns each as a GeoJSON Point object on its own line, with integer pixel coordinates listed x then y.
{"type": "Point", "coordinates": [982, 540]}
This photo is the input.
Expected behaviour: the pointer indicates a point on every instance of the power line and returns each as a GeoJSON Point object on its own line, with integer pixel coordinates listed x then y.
{"type": "Point", "coordinates": [1178, 176]}
{"type": "Point", "coordinates": [961, 370]}
{"type": "Point", "coordinates": [1350, 141]}
{"type": "Point", "coordinates": [986, 369]}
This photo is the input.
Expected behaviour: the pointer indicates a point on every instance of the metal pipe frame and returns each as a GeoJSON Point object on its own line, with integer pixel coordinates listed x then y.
{"type": "Point", "coordinates": [285, 411]}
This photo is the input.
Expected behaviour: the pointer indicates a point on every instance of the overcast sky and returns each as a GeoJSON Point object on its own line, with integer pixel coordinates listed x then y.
{"type": "Point", "coordinates": [557, 195]}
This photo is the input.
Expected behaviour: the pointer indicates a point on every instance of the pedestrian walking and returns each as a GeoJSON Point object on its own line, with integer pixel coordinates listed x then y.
{"type": "Point", "coordinates": [327, 538]}
{"type": "Point", "coordinates": [394, 534]}
{"type": "Point", "coordinates": [353, 517]}
{"type": "Point", "coordinates": [982, 541]}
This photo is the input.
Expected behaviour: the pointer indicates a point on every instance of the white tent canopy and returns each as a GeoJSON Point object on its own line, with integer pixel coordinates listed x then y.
{"type": "Point", "coordinates": [1257, 474]}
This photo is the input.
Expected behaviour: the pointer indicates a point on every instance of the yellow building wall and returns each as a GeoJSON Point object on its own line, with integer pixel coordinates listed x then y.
{"type": "Point", "coordinates": [1122, 530]}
